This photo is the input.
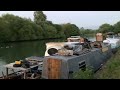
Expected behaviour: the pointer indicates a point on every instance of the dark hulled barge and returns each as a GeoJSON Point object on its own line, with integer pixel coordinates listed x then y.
{"type": "Point", "coordinates": [63, 59]}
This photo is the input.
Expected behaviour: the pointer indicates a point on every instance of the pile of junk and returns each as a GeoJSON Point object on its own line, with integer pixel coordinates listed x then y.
{"type": "Point", "coordinates": [23, 63]}
{"type": "Point", "coordinates": [33, 72]}
{"type": "Point", "coordinates": [74, 46]}
{"type": "Point", "coordinates": [68, 48]}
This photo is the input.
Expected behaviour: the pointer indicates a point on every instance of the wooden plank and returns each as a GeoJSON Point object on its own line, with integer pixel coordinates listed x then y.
{"type": "Point", "coordinates": [49, 69]}
{"type": "Point", "coordinates": [10, 66]}
{"type": "Point", "coordinates": [54, 68]}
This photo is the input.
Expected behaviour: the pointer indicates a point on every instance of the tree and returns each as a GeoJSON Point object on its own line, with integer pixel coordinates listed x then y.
{"type": "Point", "coordinates": [39, 17]}
{"type": "Point", "coordinates": [60, 31]}
{"type": "Point", "coordinates": [15, 28]}
{"type": "Point", "coordinates": [49, 31]}
{"type": "Point", "coordinates": [70, 29]}
{"type": "Point", "coordinates": [5, 32]}
{"type": "Point", "coordinates": [105, 28]}
{"type": "Point", "coordinates": [117, 27]}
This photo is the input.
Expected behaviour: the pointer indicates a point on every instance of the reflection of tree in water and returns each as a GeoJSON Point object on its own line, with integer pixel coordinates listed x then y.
{"type": "Point", "coordinates": [21, 50]}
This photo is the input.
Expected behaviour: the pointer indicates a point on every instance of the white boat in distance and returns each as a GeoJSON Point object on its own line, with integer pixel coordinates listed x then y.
{"type": "Point", "coordinates": [112, 39]}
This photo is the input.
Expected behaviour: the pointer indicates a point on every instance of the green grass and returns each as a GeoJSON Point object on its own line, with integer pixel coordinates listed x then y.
{"type": "Point", "coordinates": [87, 74]}
{"type": "Point", "coordinates": [111, 70]}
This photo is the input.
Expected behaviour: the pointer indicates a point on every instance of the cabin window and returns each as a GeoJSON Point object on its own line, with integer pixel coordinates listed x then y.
{"type": "Point", "coordinates": [82, 65]}
{"type": "Point", "coordinates": [70, 72]}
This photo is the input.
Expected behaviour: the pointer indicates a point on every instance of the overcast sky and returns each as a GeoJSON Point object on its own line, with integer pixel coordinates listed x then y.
{"type": "Point", "coordinates": [86, 19]}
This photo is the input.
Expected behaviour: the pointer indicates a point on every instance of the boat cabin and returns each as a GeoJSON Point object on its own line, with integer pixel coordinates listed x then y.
{"type": "Point", "coordinates": [112, 35]}
{"type": "Point", "coordinates": [63, 66]}
{"type": "Point", "coordinates": [75, 39]}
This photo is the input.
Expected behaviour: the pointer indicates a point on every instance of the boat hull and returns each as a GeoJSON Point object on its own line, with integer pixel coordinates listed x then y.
{"type": "Point", "coordinates": [94, 59]}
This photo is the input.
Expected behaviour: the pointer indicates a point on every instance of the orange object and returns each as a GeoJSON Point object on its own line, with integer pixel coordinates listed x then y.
{"type": "Point", "coordinates": [17, 62]}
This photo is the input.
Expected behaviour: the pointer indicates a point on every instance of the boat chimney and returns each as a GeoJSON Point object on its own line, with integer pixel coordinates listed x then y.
{"type": "Point", "coordinates": [99, 37]}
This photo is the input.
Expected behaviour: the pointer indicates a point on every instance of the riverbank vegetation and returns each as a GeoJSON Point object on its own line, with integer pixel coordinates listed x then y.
{"type": "Point", "coordinates": [110, 70]}
{"type": "Point", "coordinates": [87, 32]}
{"type": "Point", "coordinates": [15, 28]}
{"type": "Point", "coordinates": [104, 28]}
{"type": "Point", "coordinates": [87, 74]}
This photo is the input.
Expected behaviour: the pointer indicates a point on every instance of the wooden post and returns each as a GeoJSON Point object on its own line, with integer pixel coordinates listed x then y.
{"type": "Point", "coordinates": [24, 74]}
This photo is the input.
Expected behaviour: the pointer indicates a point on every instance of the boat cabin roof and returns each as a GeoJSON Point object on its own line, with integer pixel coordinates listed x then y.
{"type": "Point", "coordinates": [75, 37]}
{"type": "Point", "coordinates": [67, 58]}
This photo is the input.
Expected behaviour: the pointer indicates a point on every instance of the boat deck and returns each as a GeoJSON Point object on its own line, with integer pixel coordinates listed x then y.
{"type": "Point", "coordinates": [21, 69]}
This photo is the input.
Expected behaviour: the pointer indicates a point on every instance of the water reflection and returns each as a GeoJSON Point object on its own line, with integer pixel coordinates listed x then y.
{"type": "Point", "coordinates": [9, 52]}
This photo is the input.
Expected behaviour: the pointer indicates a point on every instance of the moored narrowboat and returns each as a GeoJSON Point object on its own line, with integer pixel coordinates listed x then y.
{"type": "Point", "coordinates": [70, 57]}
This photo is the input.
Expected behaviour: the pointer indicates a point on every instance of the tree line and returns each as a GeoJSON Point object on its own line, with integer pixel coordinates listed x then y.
{"type": "Point", "coordinates": [15, 28]}
{"type": "Point", "coordinates": [104, 28]}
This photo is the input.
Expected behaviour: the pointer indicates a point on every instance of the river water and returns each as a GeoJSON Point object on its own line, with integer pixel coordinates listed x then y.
{"type": "Point", "coordinates": [10, 52]}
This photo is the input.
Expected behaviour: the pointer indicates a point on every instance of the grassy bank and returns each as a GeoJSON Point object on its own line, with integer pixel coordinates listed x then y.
{"type": "Point", "coordinates": [111, 70]}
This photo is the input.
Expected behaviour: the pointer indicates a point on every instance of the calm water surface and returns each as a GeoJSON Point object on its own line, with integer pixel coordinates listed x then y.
{"type": "Point", "coordinates": [10, 52]}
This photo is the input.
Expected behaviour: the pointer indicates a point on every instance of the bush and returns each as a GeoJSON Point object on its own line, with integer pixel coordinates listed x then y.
{"type": "Point", "coordinates": [111, 70]}
{"type": "Point", "coordinates": [87, 74]}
